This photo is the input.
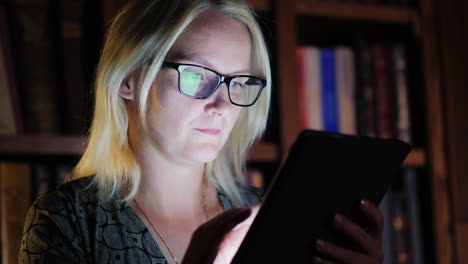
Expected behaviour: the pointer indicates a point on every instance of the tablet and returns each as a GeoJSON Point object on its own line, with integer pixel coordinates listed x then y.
{"type": "Point", "coordinates": [325, 173]}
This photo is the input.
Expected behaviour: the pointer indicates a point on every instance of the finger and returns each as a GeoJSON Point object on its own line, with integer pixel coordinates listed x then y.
{"type": "Point", "coordinates": [319, 260]}
{"type": "Point", "coordinates": [361, 237]}
{"type": "Point", "coordinates": [376, 219]}
{"type": "Point", "coordinates": [233, 217]}
{"type": "Point", "coordinates": [219, 226]}
{"type": "Point", "coordinates": [340, 254]}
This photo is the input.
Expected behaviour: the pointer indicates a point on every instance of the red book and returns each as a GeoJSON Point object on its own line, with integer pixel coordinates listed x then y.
{"type": "Point", "coordinates": [384, 94]}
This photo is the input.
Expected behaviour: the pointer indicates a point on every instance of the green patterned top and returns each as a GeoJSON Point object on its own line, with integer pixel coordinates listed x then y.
{"type": "Point", "coordinates": [72, 225]}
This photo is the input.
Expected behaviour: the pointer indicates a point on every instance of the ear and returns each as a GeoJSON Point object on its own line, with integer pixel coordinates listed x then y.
{"type": "Point", "coordinates": [127, 88]}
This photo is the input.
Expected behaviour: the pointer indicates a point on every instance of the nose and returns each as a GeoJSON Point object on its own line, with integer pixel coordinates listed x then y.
{"type": "Point", "coordinates": [219, 101]}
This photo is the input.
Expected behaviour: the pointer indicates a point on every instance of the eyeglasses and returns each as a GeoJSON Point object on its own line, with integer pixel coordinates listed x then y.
{"type": "Point", "coordinates": [199, 82]}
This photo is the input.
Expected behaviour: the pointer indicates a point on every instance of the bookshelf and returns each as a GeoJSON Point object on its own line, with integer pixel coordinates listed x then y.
{"type": "Point", "coordinates": [431, 156]}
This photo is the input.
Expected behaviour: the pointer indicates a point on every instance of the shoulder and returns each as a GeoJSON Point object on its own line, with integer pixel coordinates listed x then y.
{"type": "Point", "coordinates": [251, 195]}
{"type": "Point", "coordinates": [71, 193]}
{"type": "Point", "coordinates": [248, 194]}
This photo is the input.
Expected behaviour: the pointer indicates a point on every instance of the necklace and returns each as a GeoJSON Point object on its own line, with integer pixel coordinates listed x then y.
{"type": "Point", "coordinates": [204, 203]}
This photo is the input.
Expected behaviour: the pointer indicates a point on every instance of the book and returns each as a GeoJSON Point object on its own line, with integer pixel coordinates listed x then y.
{"type": "Point", "coordinates": [403, 123]}
{"type": "Point", "coordinates": [301, 81]}
{"type": "Point", "coordinates": [36, 65]}
{"type": "Point", "coordinates": [15, 199]}
{"type": "Point", "coordinates": [387, 238]}
{"type": "Point", "coordinates": [313, 90]}
{"type": "Point", "coordinates": [384, 92]}
{"type": "Point", "coordinates": [328, 88]}
{"type": "Point", "coordinates": [41, 179]}
{"type": "Point", "coordinates": [71, 15]}
{"type": "Point", "coordinates": [365, 90]}
{"type": "Point", "coordinates": [10, 114]}
{"type": "Point", "coordinates": [411, 192]}
{"type": "Point", "coordinates": [345, 90]}
{"type": "Point", "coordinates": [310, 98]}
{"type": "Point", "coordinates": [400, 231]}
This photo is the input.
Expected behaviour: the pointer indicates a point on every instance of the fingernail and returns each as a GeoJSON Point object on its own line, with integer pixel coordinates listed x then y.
{"type": "Point", "coordinates": [319, 244]}
{"type": "Point", "coordinates": [364, 203]}
{"type": "Point", "coordinates": [338, 218]}
{"type": "Point", "coordinates": [317, 260]}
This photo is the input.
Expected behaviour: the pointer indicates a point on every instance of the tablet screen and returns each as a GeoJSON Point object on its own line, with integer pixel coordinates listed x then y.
{"type": "Point", "coordinates": [325, 173]}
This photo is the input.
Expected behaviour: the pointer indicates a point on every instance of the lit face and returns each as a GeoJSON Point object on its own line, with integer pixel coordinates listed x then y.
{"type": "Point", "coordinates": [194, 130]}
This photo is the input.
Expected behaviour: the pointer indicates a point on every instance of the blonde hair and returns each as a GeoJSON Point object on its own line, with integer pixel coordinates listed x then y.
{"type": "Point", "coordinates": [143, 30]}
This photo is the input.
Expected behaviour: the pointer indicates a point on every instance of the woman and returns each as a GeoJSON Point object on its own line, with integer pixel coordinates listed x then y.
{"type": "Point", "coordinates": [182, 91]}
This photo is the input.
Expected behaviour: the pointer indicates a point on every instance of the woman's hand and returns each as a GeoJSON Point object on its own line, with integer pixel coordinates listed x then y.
{"type": "Point", "coordinates": [369, 243]}
{"type": "Point", "coordinates": [206, 240]}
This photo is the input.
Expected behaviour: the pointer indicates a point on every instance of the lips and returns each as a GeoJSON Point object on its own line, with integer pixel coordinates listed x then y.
{"type": "Point", "coordinates": [209, 131]}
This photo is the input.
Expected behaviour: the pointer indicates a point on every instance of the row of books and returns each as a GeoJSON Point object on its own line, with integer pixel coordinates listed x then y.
{"type": "Point", "coordinates": [395, 3]}
{"type": "Point", "coordinates": [47, 176]}
{"type": "Point", "coordinates": [363, 91]}
{"type": "Point", "coordinates": [48, 54]}
{"type": "Point", "coordinates": [402, 240]}
{"type": "Point", "coordinates": [20, 184]}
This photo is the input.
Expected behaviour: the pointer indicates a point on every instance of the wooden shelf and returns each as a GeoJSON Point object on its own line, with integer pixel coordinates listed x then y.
{"type": "Point", "coordinates": [417, 158]}
{"type": "Point", "coordinates": [260, 5]}
{"type": "Point", "coordinates": [42, 145]}
{"type": "Point", "coordinates": [399, 15]}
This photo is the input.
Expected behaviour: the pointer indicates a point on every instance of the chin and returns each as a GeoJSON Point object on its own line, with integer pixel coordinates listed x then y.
{"type": "Point", "coordinates": [206, 153]}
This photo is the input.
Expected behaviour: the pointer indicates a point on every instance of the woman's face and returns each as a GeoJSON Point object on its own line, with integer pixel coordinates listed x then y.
{"type": "Point", "coordinates": [194, 130]}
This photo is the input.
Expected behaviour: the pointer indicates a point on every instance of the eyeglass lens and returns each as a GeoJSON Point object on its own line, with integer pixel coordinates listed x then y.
{"type": "Point", "coordinates": [199, 83]}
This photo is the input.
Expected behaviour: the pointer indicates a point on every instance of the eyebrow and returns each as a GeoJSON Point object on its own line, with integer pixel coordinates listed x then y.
{"type": "Point", "coordinates": [187, 56]}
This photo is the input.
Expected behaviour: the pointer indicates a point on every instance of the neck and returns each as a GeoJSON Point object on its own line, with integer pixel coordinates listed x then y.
{"type": "Point", "coordinates": [172, 189]}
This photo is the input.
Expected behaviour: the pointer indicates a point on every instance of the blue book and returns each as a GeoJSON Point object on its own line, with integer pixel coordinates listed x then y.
{"type": "Point", "coordinates": [410, 178]}
{"type": "Point", "coordinates": [387, 238]}
{"type": "Point", "coordinates": [328, 86]}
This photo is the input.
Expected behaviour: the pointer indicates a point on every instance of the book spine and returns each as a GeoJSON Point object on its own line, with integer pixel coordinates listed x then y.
{"type": "Point", "coordinates": [71, 16]}
{"type": "Point", "coordinates": [411, 190]}
{"type": "Point", "coordinates": [401, 88]}
{"type": "Point", "coordinates": [36, 64]}
{"type": "Point", "coordinates": [301, 81]}
{"type": "Point", "coordinates": [15, 199]}
{"type": "Point", "coordinates": [10, 113]}
{"type": "Point", "coordinates": [387, 238]}
{"type": "Point", "coordinates": [400, 229]}
{"type": "Point", "coordinates": [384, 94]}
{"type": "Point", "coordinates": [41, 179]}
{"type": "Point", "coordinates": [365, 90]}
{"type": "Point", "coordinates": [313, 89]}
{"type": "Point", "coordinates": [329, 98]}
{"type": "Point", "coordinates": [346, 90]}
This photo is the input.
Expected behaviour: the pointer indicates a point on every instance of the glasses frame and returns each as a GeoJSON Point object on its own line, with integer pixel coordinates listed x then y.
{"type": "Point", "coordinates": [221, 79]}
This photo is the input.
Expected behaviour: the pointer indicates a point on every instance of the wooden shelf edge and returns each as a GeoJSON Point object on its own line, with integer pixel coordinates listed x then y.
{"type": "Point", "coordinates": [263, 152]}
{"type": "Point", "coordinates": [74, 145]}
{"type": "Point", "coordinates": [42, 145]}
{"type": "Point", "coordinates": [417, 158]}
{"type": "Point", "coordinates": [260, 5]}
{"type": "Point", "coordinates": [400, 15]}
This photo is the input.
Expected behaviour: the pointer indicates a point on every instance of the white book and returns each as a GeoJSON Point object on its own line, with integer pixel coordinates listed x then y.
{"type": "Point", "coordinates": [401, 86]}
{"type": "Point", "coordinates": [345, 90]}
{"type": "Point", "coordinates": [313, 91]}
